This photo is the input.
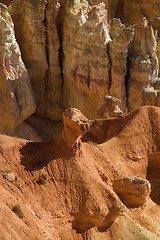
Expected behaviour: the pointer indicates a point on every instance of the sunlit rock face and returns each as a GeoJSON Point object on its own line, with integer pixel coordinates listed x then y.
{"type": "Point", "coordinates": [77, 52]}
{"type": "Point", "coordinates": [16, 95]}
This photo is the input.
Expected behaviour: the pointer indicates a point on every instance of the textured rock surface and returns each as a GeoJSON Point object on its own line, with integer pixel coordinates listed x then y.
{"type": "Point", "coordinates": [117, 51]}
{"type": "Point", "coordinates": [86, 63]}
{"type": "Point", "coordinates": [28, 19]}
{"type": "Point", "coordinates": [6, 2]}
{"type": "Point", "coordinates": [78, 200]}
{"type": "Point", "coordinates": [76, 57]}
{"type": "Point", "coordinates": [16, 95]}
{"type": "Point", "coordinates": [133, 191]}
{"type": "Point", "coordinates": [75, 124]}
{"type": "Point", "coordinates": [110, 108]}
{"type": "Point", "coordinates": [143, 63]}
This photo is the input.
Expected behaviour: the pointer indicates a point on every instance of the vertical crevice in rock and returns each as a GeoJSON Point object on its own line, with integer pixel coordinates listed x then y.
{"type": "Point", "coordinates": [59, 23]}
{"type": "Point", "coordinates": [45, 23]}
{"type": "Point", "coordinates": [109, 70]}
{"type": "Point", "coordinates": [46, 35]}
{"type": "Point", "coordinates": [126, 80]}
{"type": "Point", "coordinates": [88, 79]}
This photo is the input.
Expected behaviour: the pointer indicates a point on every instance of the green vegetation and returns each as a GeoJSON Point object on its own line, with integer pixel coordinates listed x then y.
{"type": "Point", "coordinates": [26, 222]}
{"type": "Point", "coordinates": [106, 115]}
{"type": "Point", "coordinates": [42, 179]}
{"type": "Point", "coordinates": [17, 210]}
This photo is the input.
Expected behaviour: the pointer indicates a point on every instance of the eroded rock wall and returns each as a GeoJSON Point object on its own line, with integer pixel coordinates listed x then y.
{"type": "Point", "coordinates": [28, 17]}
{"type": "Point", "coordinates": [16, 95]}
{"type": "Point", "coordinates": [76, 53]}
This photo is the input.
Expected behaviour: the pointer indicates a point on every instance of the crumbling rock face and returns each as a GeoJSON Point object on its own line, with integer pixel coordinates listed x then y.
{"type": "Point", "coordinates": [28, 19]}
{"type": "Point", "coordinates": [143, 63]}
{"type": "Point", "coordinates": [133, 191]}
{"type": "Point", "coordinates": [16, 95]}
{"type": "Point", "coordinates": [110, 108]}
{"type": "Point", "coordinates": [82, 56]}
{"type": "Point", "coordinates": [78, 200]}
{"type": "Point", "coordinates": [117, 51]}
{"type": "Point", "coordinates": [75, 124]}
{"type": "Point", "coordinates": [85, 63]}
{"type": "Point", "coordinates": [130, 12]}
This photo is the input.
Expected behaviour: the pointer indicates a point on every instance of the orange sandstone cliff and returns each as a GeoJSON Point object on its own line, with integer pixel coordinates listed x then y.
{"type": "Point", "coordinates": [95, 65]}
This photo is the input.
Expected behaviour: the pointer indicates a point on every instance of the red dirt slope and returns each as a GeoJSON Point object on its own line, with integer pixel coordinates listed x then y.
{"type": "Point", "coordinates": [78, 200]}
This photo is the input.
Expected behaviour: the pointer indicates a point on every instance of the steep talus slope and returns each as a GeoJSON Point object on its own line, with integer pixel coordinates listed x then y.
{"type": "Point", "coordinates": [79, 199]}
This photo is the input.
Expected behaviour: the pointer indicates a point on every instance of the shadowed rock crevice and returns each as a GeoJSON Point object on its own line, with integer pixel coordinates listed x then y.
{"type": "Point", "coordinates": [153, 175]}
{"type": "Point", "coordinates": [46, 35]}
{"type": "Point", "coordinates": [59, 25]}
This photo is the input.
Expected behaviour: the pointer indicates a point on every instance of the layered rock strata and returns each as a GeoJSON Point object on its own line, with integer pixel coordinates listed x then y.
{"type": "Point", "coordinates": [117, 51]}
{"type": "Point", "coordinates": [75, 57]}
{"type": "Point", "coordinates": [86, 63]}
{"type": "Point", "coordinates": [16, 95]}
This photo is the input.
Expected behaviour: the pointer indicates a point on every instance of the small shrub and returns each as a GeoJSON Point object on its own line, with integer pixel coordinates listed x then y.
{"type": "Point", "coordinates": [17, 210]}
{"type": "Point", "coordinates": [106, 115]}
{"type": "Point", "coordinates": [42, 179]}
{"type": "Point", "coordinates": [26, 222]}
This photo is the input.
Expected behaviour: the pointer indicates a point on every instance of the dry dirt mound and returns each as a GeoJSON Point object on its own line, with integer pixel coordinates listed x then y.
{"type": "Point", "coordinates": [99, 191]}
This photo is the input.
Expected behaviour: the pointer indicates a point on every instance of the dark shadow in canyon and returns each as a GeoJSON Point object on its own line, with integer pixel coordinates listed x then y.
{"type": "Point", "coordinates": [153, 176]}
{"type": "Point", "coordinates": [37, 155]}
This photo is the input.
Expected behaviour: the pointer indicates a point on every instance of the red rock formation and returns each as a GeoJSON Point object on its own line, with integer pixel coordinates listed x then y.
{"type": "Point", "coordinates": [78, 200]}
{"type": "Point", "coordinates": [75, 124]}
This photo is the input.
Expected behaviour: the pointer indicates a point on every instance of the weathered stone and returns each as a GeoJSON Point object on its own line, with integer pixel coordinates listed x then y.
{"type": "Point", "coordinates": [117, 51]}
{"type": "Point", "coordinates": [85, 63]}
{"type": "Point", "coordinates": [75, 124]}
{"type": "Point", "coordinates": [151, 96]}
{"type": "Point", "coordinates": [110, 108]}
{"type": "Point", "coordinates": [53, 32]}
{"type": "Point", "coordinates": [16, 95]}
{"type": "Point", "coordinates": [131, 12]}
{"type": "Point", "coordinates": [143, 63]}
{"type": "Point", "coordinates": [156, 84]}
{"type": "Point", "coordinates": [6, 2]}
{"type": "Point", "coordinates": [133, 191]}
{"type": "Point", "coordinates": [10, 176]}
{"type": "Point", "coordinates": [30, 30]}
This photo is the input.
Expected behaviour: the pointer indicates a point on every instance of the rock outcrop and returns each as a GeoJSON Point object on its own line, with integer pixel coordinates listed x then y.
{"type": "Point", "coordinates": [16, 95]}
{"type": "Point", "coordinates": [110, 108]}
{"type": "Point", "coordinates": [118, 51]}
{"type": "Point", "coordinates": [99, 192]}
{"type": "Point", "coordinates": [143, 64]}
{"type": "Point", "coordinates": [75, 124]}
{"type": "Point", "coordinates": [83, 57]}
{"type": "Point", "coordinates": [133, 191]}
{"type": "Point", "coordinates": [85, 69]}
{"type": "Point", "coordinates": [28, 17]}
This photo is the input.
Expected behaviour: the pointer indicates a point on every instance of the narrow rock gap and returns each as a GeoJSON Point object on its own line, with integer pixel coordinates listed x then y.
{"type": "Point", "coordinates": [110, 62]}
{"type": "Point", "coordinates": [45, 23]}
{"type": "Point", "coordinates": [46, 34]}
{"type": "Point", "coordinates": [59, 24]}
{"type": "Point", "coordinates": [88, 79]}
{"type": "Point", "coordinates": [126, 81]}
